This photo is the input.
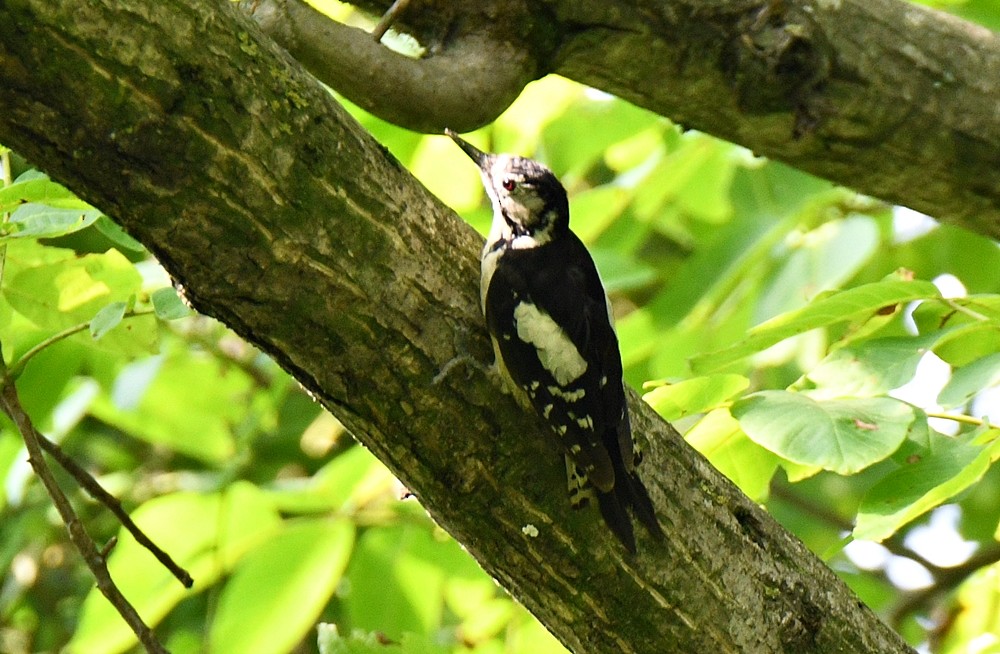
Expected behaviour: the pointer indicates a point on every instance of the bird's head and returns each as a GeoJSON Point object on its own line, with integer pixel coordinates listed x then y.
{"type": "Point", "coordinates": [529, 203]}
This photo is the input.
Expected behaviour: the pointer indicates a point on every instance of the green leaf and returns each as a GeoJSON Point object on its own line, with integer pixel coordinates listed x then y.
{"type": "Point", "coordinates": [594, 210]}
{"type": "Point", "coordinates": [621, 272]}
{"type": "Point", "coordinates": [851, 305]}
{"type": "Point", "coordinates": [360, 642]}
{"type": "Point", "coordinates": [966, 327]}
{"type": "Point", "coordinates": [56, 292]}
{"type": "Point", "coordinates": [397, 579]}
{"type": "Point", "coordinates": [68, 292]}
{"type": "Point", "coordinates": [869, 368]}
{"type": "Point", "coordinates": [42, 221]}
{"type": "Point", "coordinates": [168, 305]}
{"type": "Point", "coordinates": [973, 619]}
{"type": "Point", "coordinates": [41, 190]}
{"type": "Point", "coordinates": [925, 480]}
{"type": "Point", "coordinates": [677, 177]}
{"type": "Point", "coordinates": [961, 345]}
{"type": "Point", "coordinates": [107, 319]}
{"type": "Point", "coordinates": [966, 382]}
{"type": "Point", "coordinates": [117, 235]}
{"type": "Point", "coordinates": [567, 152]}
{"type": "Point", "coordinates": [331, 487]}
{"type": "Point", "coordinates": [279, 589]}
{"type": "Point", "coordinates": [819, 260]}
{"type": "Point", "coordinates": [673, 401]}
{"type": "Point", "coordinates": [844, 436]}
{"type": "Point", "coordinates": [190, 405]}
{"type": "Point", "coordinates": [748, 465]}
{"type": "Point", "coordinates": [942, 313]}
{"type": "Point", "coordinates": [207, 534]}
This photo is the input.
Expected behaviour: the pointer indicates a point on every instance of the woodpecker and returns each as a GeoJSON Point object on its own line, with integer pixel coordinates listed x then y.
{"type": "Point", "coordinates": [550, 323]}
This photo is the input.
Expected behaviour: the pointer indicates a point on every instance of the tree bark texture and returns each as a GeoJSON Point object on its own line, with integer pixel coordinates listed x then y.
{"type": "Point", "coordinates": [280, 216]}
{"type": "Point", "coordinates": [892, 99]}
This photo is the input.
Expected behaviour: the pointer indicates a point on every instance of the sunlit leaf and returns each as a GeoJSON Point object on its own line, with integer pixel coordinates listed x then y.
{"type": "Point", "coordinates": [695, 395]}
{"type": "Point", "coordinates": [361, 642]}
{"type": "Point", "coordinates": [844, 436]}
{"type": "Point", "coordinates": [922, 483]}
{"type": "Point", "coordinates": [593, 210]}
{"type": "Point", "coordinates": [71, 291]}
{"type": "Point", "coordinates": [43, 221]}
{"type": "Point", "coordinates": [107, 319]}
{"type": "Point", "coordinates": [212, 401]}
{"type": "Point", "coordinates": [331, 487]}
{"type": "Point", "coordinates": [397, 578]}
{"type": "Point", "coordinates": [852, 304]}
{"type": "Point", "coordinates": [168, 305]}
{"type": "Point", "coordinates": [974, 622]}
{"type": "Point", "coordinates": [205, 533]}
{"type": "Point", "coordinates": [279, 589]}
{"type": "Point", "coordinates": [41, 190]}
{"type": "Point", "coordinates": [966, 382]}
{"type": "Point", "coordinates": [719, 437]}
{"type": "Point", "coordinates": [869, 368]}
{"type": "Point", "coordinates": [566, 152]}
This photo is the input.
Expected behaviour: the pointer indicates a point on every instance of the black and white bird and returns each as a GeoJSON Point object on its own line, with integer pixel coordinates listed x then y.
{"type": "Point", "coordinates": [550, 323]}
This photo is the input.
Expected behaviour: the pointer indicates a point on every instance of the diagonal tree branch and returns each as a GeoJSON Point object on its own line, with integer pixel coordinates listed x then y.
{"type": "Point", "coordinates": [884, 96]}
{"type": "Point", "coordinates": [280, 216]}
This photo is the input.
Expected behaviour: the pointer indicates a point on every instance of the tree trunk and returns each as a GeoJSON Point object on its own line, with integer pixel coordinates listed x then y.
{"type": "Point", "coordinates": [281, 217]}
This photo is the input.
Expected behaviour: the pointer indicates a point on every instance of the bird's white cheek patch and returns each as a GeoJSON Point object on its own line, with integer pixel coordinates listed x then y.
{"type": "Point", "coordinates": [556, 351]}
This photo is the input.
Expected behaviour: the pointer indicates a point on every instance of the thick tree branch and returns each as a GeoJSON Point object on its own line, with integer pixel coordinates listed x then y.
{"type": "Point", "coordinates": [280, 216]}
{"type": "Point", "coordinates": [892, 99]}
{"type": "Point", "coordinates": [465, 85]}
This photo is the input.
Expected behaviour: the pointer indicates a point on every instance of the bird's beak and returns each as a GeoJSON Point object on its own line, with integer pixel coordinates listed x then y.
{"type": "Point", "coordinates": [474, 153]}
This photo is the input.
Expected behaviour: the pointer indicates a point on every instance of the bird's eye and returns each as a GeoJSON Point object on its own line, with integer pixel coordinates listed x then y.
{"type": "Point", "coordinates": [508, 184]}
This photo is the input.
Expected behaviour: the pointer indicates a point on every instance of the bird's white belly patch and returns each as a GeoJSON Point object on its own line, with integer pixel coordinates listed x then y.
{"type": "Point", "coordinates": [556, 351]}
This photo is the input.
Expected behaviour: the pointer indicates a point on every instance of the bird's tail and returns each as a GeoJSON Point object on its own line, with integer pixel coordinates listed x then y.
{"type": "Point", "coordinates": [628, 493]}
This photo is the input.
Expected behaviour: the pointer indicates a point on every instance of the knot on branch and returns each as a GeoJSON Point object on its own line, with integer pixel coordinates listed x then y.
{"type": "Point", "coordinates": [776, 63]}
{"type": "Point", "coordinates": [466, 78]}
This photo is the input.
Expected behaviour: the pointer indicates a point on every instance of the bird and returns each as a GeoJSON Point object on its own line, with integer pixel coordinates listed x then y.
{"type": "Point", "coordinates": [555, 346]}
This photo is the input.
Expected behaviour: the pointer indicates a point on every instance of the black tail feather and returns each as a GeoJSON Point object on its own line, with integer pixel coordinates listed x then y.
{"type": "Point", "coordinates": [616, 517]}
{"type": "Point", "coordinates": [629, 493]}
{"type": "Point", "coordinates": [643, 508]}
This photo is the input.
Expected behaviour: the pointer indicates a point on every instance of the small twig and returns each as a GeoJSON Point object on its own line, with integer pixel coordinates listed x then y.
{"type": "Point", "coordinates": [893, 544]}
{"type": "Point", "coordinates": [6, 179]}
{"type": "Point", "coordinates": [11, 405]}
{"type": "Point", "coordinates": [17, 367]}
{"type": "Point", "coordinates": [96, 491]}
{"type": "Point", "coordinates": [954, 417]}
{"type": "Point", "coordinates": [945, 580]}
{"type": "Point", "coordinates": [388, 18]}
{"type": "Point", "coordinates": [964, 309]}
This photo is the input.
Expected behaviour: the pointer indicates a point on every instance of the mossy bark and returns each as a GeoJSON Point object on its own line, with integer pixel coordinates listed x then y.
{"type": "Point", "coordinates": [887, 97]}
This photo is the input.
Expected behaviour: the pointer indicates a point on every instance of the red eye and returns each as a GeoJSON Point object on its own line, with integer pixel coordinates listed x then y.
{"type": "Point", "coordinates": [508, 184]}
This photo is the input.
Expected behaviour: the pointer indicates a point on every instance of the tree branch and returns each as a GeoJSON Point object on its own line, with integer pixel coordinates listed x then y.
{"type": "Point", "coordinates": [884, 96]}
{"type": "Point", "coordinates": [95, 560]}
{"type": "Point", "coordinates": [97, 492]}
{"type": "Point", "coordinates": [281, 217]}
{"type": "Point", "coordinates": [464, 85]}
